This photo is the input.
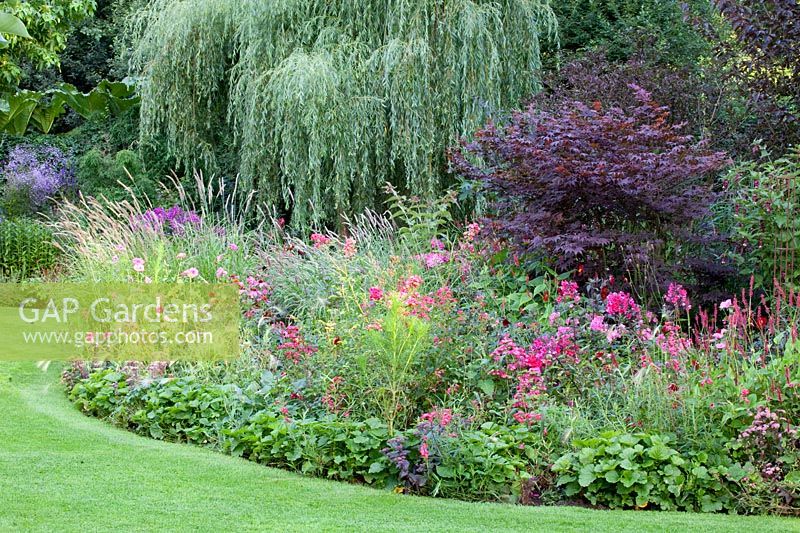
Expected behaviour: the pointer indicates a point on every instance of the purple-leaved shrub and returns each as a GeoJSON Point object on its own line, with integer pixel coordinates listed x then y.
{"type": "Point", "coordinates": [599, 187]}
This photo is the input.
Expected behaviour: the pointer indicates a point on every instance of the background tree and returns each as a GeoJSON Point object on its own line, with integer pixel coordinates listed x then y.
{"type": "Point", "coordinates": [619, 27]}
{"type": "Point", "coordinates": [48, 23]}
{"type": "Point", "coordinates": [764, 53]}
{"type": "Point", "coordinates": [320, 102]}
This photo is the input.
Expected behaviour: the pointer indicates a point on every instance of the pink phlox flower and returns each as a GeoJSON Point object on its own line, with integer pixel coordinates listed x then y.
{"type": "Point", "coordinates": [621, 304]}
{"type": "Point", "coordinates": [319, 240]}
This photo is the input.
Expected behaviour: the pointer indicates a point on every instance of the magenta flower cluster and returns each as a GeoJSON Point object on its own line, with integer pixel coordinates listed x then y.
{"type": "Point", "coordinates": [170, 221]}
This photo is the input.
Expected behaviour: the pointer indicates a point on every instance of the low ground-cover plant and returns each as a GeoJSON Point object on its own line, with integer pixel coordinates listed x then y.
{"type": "Point", "coordinates": [490, 462]}
{"type": "Point", "coordinates": [642, 470]}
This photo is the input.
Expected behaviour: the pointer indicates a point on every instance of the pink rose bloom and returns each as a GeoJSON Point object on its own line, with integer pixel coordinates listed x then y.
{"type": "Point", "coordinates": [138, 264]}
{"type": "Point", "coordinates": [190, 273]}
{"type": "Point", "coordinates": [221, 272]}
{"type": "Point", "coordinates": [232, 246]}
{"type": "Point", "coordinates": [727, 304]}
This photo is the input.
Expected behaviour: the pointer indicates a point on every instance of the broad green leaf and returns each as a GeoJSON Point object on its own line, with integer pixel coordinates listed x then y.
{"type": "Point", "coordinates": [792, 478]}
{"type": "Point", "coordinates": [44, 116]}
{"type": "Point", "coordinates": [660, 452]}
{"type": "Point", "coordinates": [11, 25]}
{"type": "Point", "coordinates": [736, 472]}
{"type": "Point", "coordinates": [445, 471]}
{"type": "Point", "coordinates": [587, 476]}
{"type": "Point", "coordinates": [487, 386]}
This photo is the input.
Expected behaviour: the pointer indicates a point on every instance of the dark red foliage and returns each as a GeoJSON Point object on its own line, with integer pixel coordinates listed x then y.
{"type": "Point", "coordinates": [764, 59]}
{"type": "Point", "coordinates": [590, 184]}
{"type": "Point", "coordinates": [710, 107]}
{"type": "Point", "coordinates": [769, 32]}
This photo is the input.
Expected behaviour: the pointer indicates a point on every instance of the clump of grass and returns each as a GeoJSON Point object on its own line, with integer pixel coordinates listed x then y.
{"type": "Point", "coordinates": [104, 240]}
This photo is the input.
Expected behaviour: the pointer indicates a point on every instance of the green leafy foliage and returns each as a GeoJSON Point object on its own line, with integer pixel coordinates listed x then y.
{"type": "Point", "coordinates": [333, 448]}
{"type": "Point", "coordinates": [26, 248]}
{"type": "Point", "coordinates": [101, 393]}
{"type": "Point", "coordinates": [392, 359]}
{"type": "Point", "coordinates": [491, 462]}
{"type": "Point", "coordinates": [182, 410]}
{"type": "Point", "coordinates": [763, 205]}
{"type": "Point", "coordinates": [48, 23]}
{"type": "Point", "coordinates": [621, 26]}
{"type": "Point", "coordinates": [643, 470]}
{"type": "Point", "coordinates": [23, 108]}
{"type": "Point", "coordinates": [101, 175]}
{"type": "Point", "coordinates": [419, 220]}
{"type": "Point", "coordinates": [11, 25]}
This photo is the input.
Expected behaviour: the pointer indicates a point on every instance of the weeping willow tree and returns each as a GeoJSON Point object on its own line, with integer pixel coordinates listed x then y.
{"type": "Point", "coordinates": [323, 101]}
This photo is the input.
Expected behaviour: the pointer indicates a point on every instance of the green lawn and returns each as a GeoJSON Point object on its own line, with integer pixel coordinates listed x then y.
{"type": "Point", "coordinates": [61, 471]}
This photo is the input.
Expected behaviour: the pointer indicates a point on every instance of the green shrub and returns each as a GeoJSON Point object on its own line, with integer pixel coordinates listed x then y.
{"type": "Point", "coordinates": [492, 462]}
{"type": "Point", "coordinates": [102, 175]}
{"type": "Point", "coordinates": [182, 410]}
{"type": "Point", "coordinates": [763, 206]}
{"type": "Point", "coordinates": [620, 26]}
{"type": "Point", "coordinates": [487, 463]}
{"type": "Point", "coordinates": [26, 248]}
{"type": "Point", "coordinates": [641, 470]}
